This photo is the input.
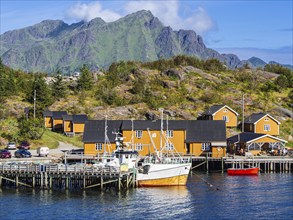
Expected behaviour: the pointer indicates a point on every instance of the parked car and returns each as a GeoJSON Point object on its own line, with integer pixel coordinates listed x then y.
{"type": "Point", "coordinates": [24, 145]}
{"type": "Point", "coordinates": [5, 154]}
{"type": "Point", "coordinates": [43, 151]}
{"type": "Point", "coordinates": [11, 146]}
{"type": "Point", "coordinates": [22, 153]}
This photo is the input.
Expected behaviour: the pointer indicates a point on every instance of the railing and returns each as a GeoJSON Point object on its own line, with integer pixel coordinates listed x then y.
{"type": "Point", "coordinates": [56, 168]}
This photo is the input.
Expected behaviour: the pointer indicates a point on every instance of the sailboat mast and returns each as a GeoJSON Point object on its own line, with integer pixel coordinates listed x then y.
{"type": "Point", "coordinates": [242, 112]}
{"type": "Point", "coordinates": [106, 128]}
{"type": "Point", "coordinates": [132, 136]}
{"type": "Point", "coordinates": [161, 136]}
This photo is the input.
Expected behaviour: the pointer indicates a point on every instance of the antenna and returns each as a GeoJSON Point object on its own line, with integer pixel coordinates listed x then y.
{"type": "Point", "coordinates": [161, 136]}
{"type": "Point", "coordinates": [35, 94]}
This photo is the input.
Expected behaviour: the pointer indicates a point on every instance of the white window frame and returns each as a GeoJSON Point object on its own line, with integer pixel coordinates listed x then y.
{"type": "Point", "coordinates": [226, 118]}
{"type": "Point", "coordinates": [267, 127]}
{"type": "Point", "coordinates": [206, 146]}
{"type": "Point", "coordinates": [99, 146]}
{"type": "Point", "coordinates": [138, 133]}
{"type": "Point", "coordinates": [169, 146]}
{"type": "Point", "coordinates": [169, 133]}
{"type": "Point", "coordinates": [138, 146]}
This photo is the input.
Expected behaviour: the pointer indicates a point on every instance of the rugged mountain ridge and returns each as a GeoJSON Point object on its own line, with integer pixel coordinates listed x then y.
{"type": "Point", "coordinates": [54, 45]}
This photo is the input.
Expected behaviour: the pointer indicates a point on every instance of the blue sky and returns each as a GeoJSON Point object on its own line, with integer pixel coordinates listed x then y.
{"type": "Point", "coordinates": [246, 28]}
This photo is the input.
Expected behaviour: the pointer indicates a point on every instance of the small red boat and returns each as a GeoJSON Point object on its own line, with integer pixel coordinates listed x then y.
{"type": "Point", "coordinates": [243, 171]}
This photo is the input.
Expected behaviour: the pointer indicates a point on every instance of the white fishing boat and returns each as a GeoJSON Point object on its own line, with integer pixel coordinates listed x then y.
{"type": "Point", "coordinates": [166, 167]}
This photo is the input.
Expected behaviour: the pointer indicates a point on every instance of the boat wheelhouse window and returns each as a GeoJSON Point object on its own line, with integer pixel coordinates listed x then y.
{"type": "Point", "coordinates": [169, 133]}
{"type": "Point", "coordinates": [226, 118]}
{"type": "Point", "coordinates": [169, 146]}
{"type": "Point", "coordinates": [138, 146]}
{"type": "Point", "coordinates": [99, 146]}
{"type": "Point", "coordinates": [205, 146]}
{"type": "Point", "coordinates": [138, 133]}
{"type": "Point", "coordinates": [267, 128]}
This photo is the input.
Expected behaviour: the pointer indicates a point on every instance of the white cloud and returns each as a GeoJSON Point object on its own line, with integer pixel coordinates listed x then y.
{"type": "Point", "coordinates": [168, 13]}
{"type": "Point", "coordinates": [90, 11]}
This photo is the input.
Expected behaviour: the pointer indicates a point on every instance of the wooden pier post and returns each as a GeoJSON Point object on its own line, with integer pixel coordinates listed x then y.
{"type": "Point", "coordinates": [67, 182]}
{"type": "Point", "coordinates": [222, 164]}
{"type": "Point", "coordinates": [102, 182]}
{"type": "Point", "coordinates": [34, 181]}
{"type": "Point", "coordinates": [0, 181]}
{"type": "Point", "coordinates": [16, 181]}
{"type": "Point", "coordinates": [207, 161]}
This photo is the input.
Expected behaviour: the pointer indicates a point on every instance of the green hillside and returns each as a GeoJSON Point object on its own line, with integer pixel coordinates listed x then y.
{"type": "Point", "coordinates": [183, 86]}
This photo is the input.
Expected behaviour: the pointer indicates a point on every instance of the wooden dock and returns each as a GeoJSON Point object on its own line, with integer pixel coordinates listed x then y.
{"type": "Point", "coordinates": [65, 177]}
{"type": "Point", "coordinates": [265, 163]}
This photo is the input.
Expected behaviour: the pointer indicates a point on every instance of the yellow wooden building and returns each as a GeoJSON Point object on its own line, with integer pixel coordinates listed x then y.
{"type": "Point", "coordinates": [145, 136]}
{"type": "Point", "coordinates": [221, 112]}
{"type": "Point", "coordinates": [206, 137]}
{"type": "Point", "coordinates": [254, 143]}
{"type": "Point", "coordinates": [48, 119]}
{"type": "Point", "coordinates": [194, 137]}
{"type": "Point", "coordinates": [98, 137]}
{"type": "Point", "coordinates": [262, 123]}
{"type": "Point", "coordinates": [54, 119]}
{"type": "Point", "coordinates": [74, 123]}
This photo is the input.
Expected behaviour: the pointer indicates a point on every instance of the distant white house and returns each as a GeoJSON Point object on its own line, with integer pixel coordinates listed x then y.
{"type": "Point", "coordinates": [76, 74]}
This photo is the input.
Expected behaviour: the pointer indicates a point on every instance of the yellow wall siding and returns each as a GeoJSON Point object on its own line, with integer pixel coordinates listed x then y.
{"type": "Point", "coordinates": [146, 141]}
{"type": "Point", "coordinates": [78, 128]}
{"type": "Point", "coordinates": [196, 149]}
{"type": "Point", "coordinates": [266, 140]}
{"type": "Point", "coordinates": [90, 149]}
{"type": "Point", "coordinates": [67, 126]}
{"type": "Point", "coordinates": [231, 115]}
{"type": "Point", "coordinates": [218, 152]}
{"type": "Point", "coordinates": [267, 121]}
{"type": "Point", "coordinates": [48, 122]}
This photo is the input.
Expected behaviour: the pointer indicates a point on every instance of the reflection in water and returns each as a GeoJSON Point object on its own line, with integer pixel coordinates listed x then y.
{"type": "Point", "coordinates": [263, 196]}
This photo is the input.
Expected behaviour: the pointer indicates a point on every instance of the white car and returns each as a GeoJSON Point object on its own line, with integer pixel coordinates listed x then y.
{"type": "Point", "coordinates": [11, 146]}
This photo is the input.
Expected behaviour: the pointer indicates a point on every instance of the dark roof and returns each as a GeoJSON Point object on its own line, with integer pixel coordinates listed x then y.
{"type": "Point", "coordinates": [254, 118]}
{"type": "Point", "coordinates": [47, 113]}
{"type": "Point", "coordinates": [154, 125]}
{"type": "Point", "coordinates": [205, 131]}
{"type": "Point", "coordinates": [94, 131]}
{"type": "Point", "coordinates": [213, 109]}
{"type": "Point", "coordinates": [79, 118]}
{"type": "Point", "coordinates": [58, 114]}
{"type": "Point", "coordinates": [67, 117]}
{"type": "Point", "coordinates": [244, 137]}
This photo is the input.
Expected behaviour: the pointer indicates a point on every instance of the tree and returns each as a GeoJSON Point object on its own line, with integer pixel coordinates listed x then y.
{"type": "Point", "coordinates": [43, 94]}
{"type": "Point", "coordinates": [31, 128]}
{"type": "Point", "coordinates": [58, 86]}
{"type": "Point", "coordinates": [86, 80]}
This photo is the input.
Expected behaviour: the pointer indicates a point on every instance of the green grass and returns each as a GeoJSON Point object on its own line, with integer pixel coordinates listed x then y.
{"type": "Point", "coordinates": [51, 139]}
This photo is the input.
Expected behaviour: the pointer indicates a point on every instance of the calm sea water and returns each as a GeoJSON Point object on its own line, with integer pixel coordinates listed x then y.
{"type": "Point", "coordinates": [206, 196]}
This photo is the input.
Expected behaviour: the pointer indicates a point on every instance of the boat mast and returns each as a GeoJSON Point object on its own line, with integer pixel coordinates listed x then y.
{"type": "Point", "coordinates": [242, 112]}
{"type": "Point", "coordinates": [106, 128]}
{"type": "Point", "coordinates": [132, 135]}
{"type": "Point", "coordinates": [161, 136]}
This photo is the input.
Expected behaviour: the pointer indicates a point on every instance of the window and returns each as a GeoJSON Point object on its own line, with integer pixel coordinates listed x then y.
{"type": "Point", "coordinates": [226, 118]}
{"type": "Point", "coordinates": [169, 133]}
{"type": "Point", "coordinates": [154, 135]}
{"type": "Point", "coordinates": [138, 133]}
{"type": "Point", "coordinates": [99, 146]}
{"type": "Point", "coordinates": [138, 146]}
{"type": "Point", "coordinates": [267, 119]}
{"type": "Point", "coordinates": [169, 146]}
{"type": "Point", "coordinates": [205, 146]}
{"type": "Point", "coordinates": [225, 110]}
{"type": "Point", "coordinates": [267, 127]}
